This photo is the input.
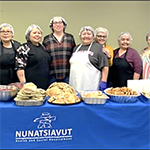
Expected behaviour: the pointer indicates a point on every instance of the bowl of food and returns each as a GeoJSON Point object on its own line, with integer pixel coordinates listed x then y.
{"type": "Point", "coordinates": [7, 92]}
{"type": "Point", "coordinates": [17, 84]}
{"type": "Point", "coordinates": [122, 94]}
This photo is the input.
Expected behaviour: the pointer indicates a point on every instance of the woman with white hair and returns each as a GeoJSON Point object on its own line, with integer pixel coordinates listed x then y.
{"type": "Point", "coordinates": [145, 55]}
{"type": "Point", "coordinates": [8, 48]}
{"type": "Point", "coordinates": [101, 38]}
{"type": "Point", "coordinates": [89, 65]}
{"type": "Point", "coordinates": [32, 60]}
{"type": "Point", "coordinates": [60, 45]}
{"type": "Point", "coordinates": [127, 63]}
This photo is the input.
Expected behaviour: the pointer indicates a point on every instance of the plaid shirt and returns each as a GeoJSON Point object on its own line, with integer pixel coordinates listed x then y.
{"type": "Point", "coordinates": [60, 54]}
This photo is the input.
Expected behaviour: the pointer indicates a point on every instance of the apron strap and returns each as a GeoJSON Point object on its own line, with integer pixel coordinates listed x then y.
{"type": "Point", "coordinates": [81, 45]}
{"type": "Point", "coordinates": [118, 51]}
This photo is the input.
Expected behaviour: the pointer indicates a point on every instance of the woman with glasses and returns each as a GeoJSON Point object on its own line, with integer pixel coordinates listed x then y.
{"type": "Point", "coordinates": [60, 45]}
{"type": "Point", "coordinates": [127, 63]}
{"type": "Point", "coordinates": [89, 65]}
{"type": "Point", "coordinates": [32, 60]}
{"type": "Point", "coordinates": [101, 38]}
{"type": "Point", "coordinates": [8, 48]}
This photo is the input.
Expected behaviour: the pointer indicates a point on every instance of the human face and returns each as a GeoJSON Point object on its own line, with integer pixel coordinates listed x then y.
{"type": "Point", "coordinates": [101, 38]}
{"type": "Point", "coordinates": [58, 25]}
{"type": "Point", "coordinates": [35, 36]}
{"type": "Point", "coordinates": [86, 37]}
{"type": "Point", "coordinates": [148, 41]}
{"type": "Point", "coordinates": [124, 42]}
{"type": "Point", "coordinates": [6, 34]}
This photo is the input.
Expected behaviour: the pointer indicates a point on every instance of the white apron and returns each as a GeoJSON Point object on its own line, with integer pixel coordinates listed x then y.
{"type": "Point", "coordinates": [83, 75]}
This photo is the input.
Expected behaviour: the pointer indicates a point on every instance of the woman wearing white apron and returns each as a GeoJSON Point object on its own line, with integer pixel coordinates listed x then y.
{"type": "Point", "coordinates": [89, 66]}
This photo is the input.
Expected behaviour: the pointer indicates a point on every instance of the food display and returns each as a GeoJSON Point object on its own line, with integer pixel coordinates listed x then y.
{"type": "Point", "coordinates": [7, 92]}
{"type": "Point", "coordinates": [123, 91]}
{"type": "Point", "coordinates": [122, 94]}
{"type": "Point", "coordinates": [146, 94]}
{"type": "Point", "coordinates": [94, 97]}
{"type": "Point", "coordinates": [6, 88]}
{"type": "Point", "coordinates": [62, 93]}
{"type": "Point", "coordinates": [17, 84]}
{"type": "Point", "coordinates": [30, 95]}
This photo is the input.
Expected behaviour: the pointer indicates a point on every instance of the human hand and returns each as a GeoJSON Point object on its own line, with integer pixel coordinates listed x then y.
{"type": "Point", "coordinates": [102, 86]}
{"type": "Point", "coordinates": [106, 51]}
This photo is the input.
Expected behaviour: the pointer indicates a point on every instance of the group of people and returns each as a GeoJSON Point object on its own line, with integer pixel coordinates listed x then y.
{"type": "Point", "coordinates": [90, 65]}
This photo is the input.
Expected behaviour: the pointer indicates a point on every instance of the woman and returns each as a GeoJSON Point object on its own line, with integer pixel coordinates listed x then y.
{"type": "Point", "coordinates": [127, 63]}
{"type": "Point", "coordinates": [60, 46]}
{"type": "Point", "coordinates": [145, 55]}
{"type": "Point", "coordinates": [32, 60]}
{"type": "Point", "coordinates": [89, 65]}
{"type": "Point", "coordinates": [101, 38]}
{"type": "Point", "coordinates": [8, 48]}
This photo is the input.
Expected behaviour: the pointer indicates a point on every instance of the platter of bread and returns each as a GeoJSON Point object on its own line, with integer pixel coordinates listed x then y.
{"type": "Point", "coordinates": [62, 93]}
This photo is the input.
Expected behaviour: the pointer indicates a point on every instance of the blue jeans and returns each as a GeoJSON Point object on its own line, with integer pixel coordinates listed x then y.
{"type": "Point", "coordinates": [66, 80]}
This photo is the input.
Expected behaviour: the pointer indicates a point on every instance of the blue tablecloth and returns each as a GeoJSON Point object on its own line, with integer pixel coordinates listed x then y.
{"type": "Point", "coordinates": [79, 126]}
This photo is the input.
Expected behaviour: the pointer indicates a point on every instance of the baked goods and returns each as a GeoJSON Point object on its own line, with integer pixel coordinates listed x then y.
{"type": "Point", "coordinates": [95, 94]}
{"type": "Point", "coordinates": [146, 93]}
{"type": "Point", "coordinates": [122, 91]}
{"type": "Point", "coordinates": [93, 97]}
{"type": "Point", "coordinates": [31, 92]}
{"type": "Point", "coordinates": [62, 93]}
{"type": "Point", "coordinates": [29, 88]}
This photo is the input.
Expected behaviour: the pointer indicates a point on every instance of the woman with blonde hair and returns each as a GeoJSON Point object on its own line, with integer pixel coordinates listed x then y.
{"type": "Point", "coordinates": [101, 38]}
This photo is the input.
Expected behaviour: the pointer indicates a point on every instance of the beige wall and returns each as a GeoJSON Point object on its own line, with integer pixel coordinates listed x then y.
{"type": "Point", "coordinates": [116, 16]}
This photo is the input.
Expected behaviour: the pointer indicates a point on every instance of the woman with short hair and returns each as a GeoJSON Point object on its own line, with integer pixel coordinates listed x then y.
{"type": "Point", "coordinates": [101, 38]}
{"type": "Point", "coordinates": [127, 63]}
{"type": "Point", "coordinates": [32, 60]}
{"type": "Point", "coordinates": [89, 65]}
{"type": "Point", "coordinates": [59, 44]}
{"type": "Point", "coordinates": [8, 48]}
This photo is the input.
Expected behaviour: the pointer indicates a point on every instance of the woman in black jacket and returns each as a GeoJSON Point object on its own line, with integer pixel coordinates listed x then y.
{"type": "Point", "coordinates": [32, 60]}
{"type": "Point", "coordinates": [7, 54]}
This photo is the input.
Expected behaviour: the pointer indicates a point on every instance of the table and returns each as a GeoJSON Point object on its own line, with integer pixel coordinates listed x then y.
{"type": "Point", "coordinates": [80, 126]}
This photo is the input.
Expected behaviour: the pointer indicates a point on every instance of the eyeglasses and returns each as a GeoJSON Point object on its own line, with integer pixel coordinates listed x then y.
{"type": "Point", "coordinates": [59, 22]}
{"type": "Point", "coordinates": [7, 32]}
{"type": "Point", "coordinates": [100, 36]}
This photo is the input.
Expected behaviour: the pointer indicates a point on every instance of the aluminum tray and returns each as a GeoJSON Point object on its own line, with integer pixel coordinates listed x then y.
{"type": "Point", "coordinates": [29, 102]}
{"type": "Point", "coordinates": [92, 100]}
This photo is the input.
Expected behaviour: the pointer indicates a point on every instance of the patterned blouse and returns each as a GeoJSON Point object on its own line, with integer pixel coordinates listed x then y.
{"type": "Point", "coordinates": [22, 57]}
